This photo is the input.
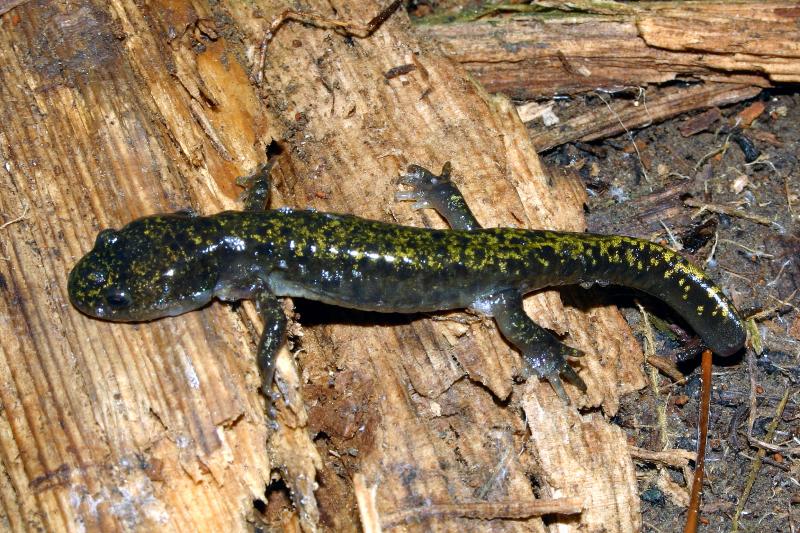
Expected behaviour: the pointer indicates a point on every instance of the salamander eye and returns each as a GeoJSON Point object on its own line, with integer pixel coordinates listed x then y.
{"type": "Point", "coordinates": [106, 237]}
{"type": "Point", "coordinates": [118, 299]}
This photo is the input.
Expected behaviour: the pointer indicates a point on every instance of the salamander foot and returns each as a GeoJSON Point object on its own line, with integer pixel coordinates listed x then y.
{"type": "Point", "coordinates": [429, 191]}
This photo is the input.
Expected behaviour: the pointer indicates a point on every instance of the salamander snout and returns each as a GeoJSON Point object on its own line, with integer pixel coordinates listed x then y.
{"type": "Point", "coordinates": [149, 269]}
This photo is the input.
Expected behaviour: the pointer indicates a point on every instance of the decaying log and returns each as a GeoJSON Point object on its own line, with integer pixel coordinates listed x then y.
{"type": "Point", "coordinates": [583, 46]}
{"type": "Point", "coordinates": [113, 111]}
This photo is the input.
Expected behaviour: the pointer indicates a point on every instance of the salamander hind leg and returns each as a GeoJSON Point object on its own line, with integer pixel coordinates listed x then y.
{"type": "Point", "coordinates": [542, 352]}
{"type": "Point", "coordinates": [430, 191]}
{"type": "Point", "coordinates": [272, 338]}
{"type": "Point", "coordinates": [256, 187]}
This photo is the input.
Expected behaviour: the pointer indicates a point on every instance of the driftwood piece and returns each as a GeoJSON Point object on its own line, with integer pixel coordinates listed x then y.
{"type": "Point", "coordinates": [631, 44]}
{"type": "Point", "coordinates": [119, 110]}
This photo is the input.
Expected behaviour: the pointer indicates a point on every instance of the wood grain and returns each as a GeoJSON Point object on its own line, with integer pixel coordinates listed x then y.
{"type": "Point", "coordinates": [113, 111]}
{"type": "Point", "coordinates": [610, 46]}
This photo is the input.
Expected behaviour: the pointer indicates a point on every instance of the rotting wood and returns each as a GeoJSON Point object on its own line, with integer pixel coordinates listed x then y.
{"type": "Point", "coordinates": [624, 115]}
{"type": "Point", "coordinates": [109, 426]}
{"type": "Point", "coordinates": [561, 51]}
{"type": "Point", "coordinates": [116, 111]}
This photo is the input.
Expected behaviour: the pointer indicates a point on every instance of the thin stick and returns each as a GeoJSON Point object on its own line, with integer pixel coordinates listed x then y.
{"type": "Point", "coordinates": [652, 373]}
{"type": "Point", "coordinates": [667, 367]}
{"type": "Point", "coordinates": [754, 252]}
{"type": "Point", "coordinates": [697, 482]}
{"type": "Point", "coordinates": [751, 370]}
{"type": "Point", "coordinates": [756, 465]}
{"type": "Point", "coordinates": [675, 457]}
{"type": "Point", "coordinates": [725, 210]}
{"type": "Point", "coordinates": [713, 249]}
{"type": "Point", "coordinates": [627, 131]}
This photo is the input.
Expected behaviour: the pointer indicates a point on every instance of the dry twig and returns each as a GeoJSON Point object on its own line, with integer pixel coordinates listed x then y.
{"type": "Point", "coordinates": [725, 210]}
{"type": "Point", "coordinates": [628, 133]}
{"type": "Point", "coordinates": [693, 512]}
{"type": "Point", "coordinates": [666, 367]}
{"type": "Point", "coordinates": [649, 352]}
{"type": "Point", "coordinates": [775, 308]}
{"type": "Point", "coordinates": [751, 251]}
{"type": "Point", "coordinates": [756, 465]}
{"type": "Point", "coordinates": [675, 457]}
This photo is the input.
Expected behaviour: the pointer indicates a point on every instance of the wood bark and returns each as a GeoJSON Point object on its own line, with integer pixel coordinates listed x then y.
{"type": "Point", "coordinates": [116, 110]}
{"type": "Point", "coordinates": [585, 46]}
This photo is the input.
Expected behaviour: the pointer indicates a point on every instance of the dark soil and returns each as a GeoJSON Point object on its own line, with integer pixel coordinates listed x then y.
{"type": "Point", "coordinates": [642, 194]}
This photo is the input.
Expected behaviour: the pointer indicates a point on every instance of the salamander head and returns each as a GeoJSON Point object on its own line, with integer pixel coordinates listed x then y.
{"type": "Point", "coordinates": [153, 267]}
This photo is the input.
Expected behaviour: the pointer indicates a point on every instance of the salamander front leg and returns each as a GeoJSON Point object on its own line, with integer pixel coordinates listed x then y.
{"type": "Point", "coordinates": [430, 191]}
{"type": "Point", "coordinates": [543, 353]}
{"type": "Point", "coordinates": [272, 338]}
{"type": "Point", "coordinates": [256, 193]}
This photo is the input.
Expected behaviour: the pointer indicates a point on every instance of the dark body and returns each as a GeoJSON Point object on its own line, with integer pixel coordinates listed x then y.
{"type": "Point", "coordinates": [168, 264]}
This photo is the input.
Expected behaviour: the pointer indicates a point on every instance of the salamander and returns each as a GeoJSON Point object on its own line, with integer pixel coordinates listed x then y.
{"type": "Point", "coordinates": [169, 264]}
